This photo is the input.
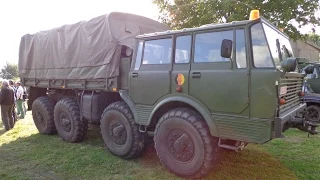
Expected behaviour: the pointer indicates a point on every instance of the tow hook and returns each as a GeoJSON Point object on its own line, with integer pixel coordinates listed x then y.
{"type": "Point", "coordinates": [304, 124]}
{"type": "Point", "coordinates": [313, 127]}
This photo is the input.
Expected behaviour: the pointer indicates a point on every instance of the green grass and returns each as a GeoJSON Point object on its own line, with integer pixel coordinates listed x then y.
{"type": "Point", "coordinates": [25, 154]}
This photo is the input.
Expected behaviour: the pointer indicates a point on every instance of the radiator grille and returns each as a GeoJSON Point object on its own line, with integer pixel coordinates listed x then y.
{"type": "Point", "coordinates": [290, 87]}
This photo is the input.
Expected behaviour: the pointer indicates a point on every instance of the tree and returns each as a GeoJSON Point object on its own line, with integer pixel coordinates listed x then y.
{"type": "Point", "coordinates": [9, 71]}
{"type": "Point", "coordinates": [315, 38]}
{"type": "Point", "coordinates": [192, 13]}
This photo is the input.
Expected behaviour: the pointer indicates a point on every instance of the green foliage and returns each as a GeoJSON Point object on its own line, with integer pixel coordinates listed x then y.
{"type": "Point", "coordinates": [192, 13]}
{"type": "Point", "coordinates": [9, 71]}
{"type": "Point", "coordinates": [315, 38]}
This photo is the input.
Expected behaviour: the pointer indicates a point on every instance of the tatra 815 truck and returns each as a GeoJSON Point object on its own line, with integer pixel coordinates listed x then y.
{"type": "Point", "coordinates": [196, 91]}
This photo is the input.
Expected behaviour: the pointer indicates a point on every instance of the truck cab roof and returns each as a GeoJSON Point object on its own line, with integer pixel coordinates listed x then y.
{"type": "Point", "coordinates": [210, 26]}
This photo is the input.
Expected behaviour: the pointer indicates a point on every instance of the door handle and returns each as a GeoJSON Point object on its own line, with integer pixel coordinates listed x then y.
{"type": "Point", "coordinates": [134, 75]}
{"type": "Point", "coordinates": [196, 74]}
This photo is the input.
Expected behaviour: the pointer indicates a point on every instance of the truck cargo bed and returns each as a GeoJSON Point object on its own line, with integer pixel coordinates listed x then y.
{"type": "Point", "coordinates": [82, 51]}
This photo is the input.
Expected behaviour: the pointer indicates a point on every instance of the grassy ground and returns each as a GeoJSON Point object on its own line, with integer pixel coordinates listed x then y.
{"type": "Point", "coordinates": [25, 154]}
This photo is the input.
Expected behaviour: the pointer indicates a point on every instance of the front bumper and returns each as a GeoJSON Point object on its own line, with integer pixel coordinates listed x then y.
{"type": "Point", "coordinates": [294, 114]}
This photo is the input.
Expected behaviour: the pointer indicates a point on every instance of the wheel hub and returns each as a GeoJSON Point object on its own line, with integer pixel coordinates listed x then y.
{"type": "Point", "coordinates": [118, 132]}
{"type": "Point", "coordinates": [65, 122]}
{"type": "Point", "coordinates": [313, 114]}
{"type": "Point", "coordinates": [180, 145]}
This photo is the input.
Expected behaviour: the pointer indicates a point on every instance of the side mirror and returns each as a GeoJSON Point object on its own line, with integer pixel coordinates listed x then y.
{"type": "Point", "coordinates": [309, 69]}
{"type": "Point", "coordinates": [289, 64]}
{"type": "Point", "coordinates": [226, 48]}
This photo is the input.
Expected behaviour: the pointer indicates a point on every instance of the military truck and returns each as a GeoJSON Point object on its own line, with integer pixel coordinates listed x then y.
{"type": "Point", "coordinates": [196, 91]}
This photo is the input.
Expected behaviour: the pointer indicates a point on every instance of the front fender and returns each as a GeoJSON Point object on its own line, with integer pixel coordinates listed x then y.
{"type": "Point", "coordinates": [125, 96]}
{"type": "Point", "coordinates": [312, 98]}
{"type": "Point", "coordinates": [201, 108]}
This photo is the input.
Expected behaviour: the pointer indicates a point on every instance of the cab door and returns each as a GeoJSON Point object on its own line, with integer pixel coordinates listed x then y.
{"type": "Point", "coordinates": [181, 64]}
{"type": "Point", "coordinates": [220, 83]}
{"type": "Point", "coordinates": [150, 77]}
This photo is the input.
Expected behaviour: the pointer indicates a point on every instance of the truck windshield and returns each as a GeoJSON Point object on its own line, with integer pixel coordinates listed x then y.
{"type": "Point", "coordinates": [264, 38]}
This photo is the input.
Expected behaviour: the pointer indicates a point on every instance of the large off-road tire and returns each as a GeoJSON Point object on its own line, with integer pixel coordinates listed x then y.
{"type": "Point", "coordinates": [313, 113]}
{"type": "Point", "coordinates": [67, 119]}
{"type": "Point", "coordinates": [42, 113]}
{"type": "Point", "coordinates": [120, 132]}
{"type": "Point", "coordinates": [184, 144]}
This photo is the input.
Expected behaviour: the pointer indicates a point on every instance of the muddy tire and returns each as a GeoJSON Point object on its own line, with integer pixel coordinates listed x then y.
{"type": "Point", "coordinates": [67, 121]}
{"type": "Point", "coordinates": [184, 144]}
{"type": "Point", "coordinates": [42, 113]}
{"type": "Point", "coordinates": [313, 113]}
{"type": "Point", "coordinates": [120, 132]}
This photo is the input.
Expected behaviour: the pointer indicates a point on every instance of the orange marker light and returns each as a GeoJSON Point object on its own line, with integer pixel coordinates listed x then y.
{"type": "Point", "coordinates": [254, 14]}
{"type": "Point", "coordinates": [301, 93]}
{"type": "Point", "coordinates": [282, 101]}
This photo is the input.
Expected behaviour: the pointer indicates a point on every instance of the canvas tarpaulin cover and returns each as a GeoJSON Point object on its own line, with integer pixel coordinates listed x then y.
{"type": "Point", "coordinates": [85, 50]}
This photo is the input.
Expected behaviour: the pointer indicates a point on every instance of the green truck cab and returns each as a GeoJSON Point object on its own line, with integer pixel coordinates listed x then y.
{"type": "Point", "coordinates": [197, 91]}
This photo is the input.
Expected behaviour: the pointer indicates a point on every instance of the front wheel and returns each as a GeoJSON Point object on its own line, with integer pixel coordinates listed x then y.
{"type": "Point", "coordinates": [184, 144]}
{"type": "Point", "coordinates": [119, 131]}
{"type": "Point", "coordinates": [313, 113]}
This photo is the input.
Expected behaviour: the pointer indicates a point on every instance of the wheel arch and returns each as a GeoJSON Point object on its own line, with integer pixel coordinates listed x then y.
{"type": "Point", "coordinates": [178, 101]}
{"type": "Point", "coordinates": [126, 98]}
{"type": "Point", "coordinates": [313, 102]}
{"type": "Point", "coordinates": [35, 93]}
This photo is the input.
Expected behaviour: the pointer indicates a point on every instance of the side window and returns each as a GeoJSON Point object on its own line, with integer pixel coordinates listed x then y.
{"type": "Point", "coordinates": [261, 53]}
{"type": "Point", "coordinates": [183, 47]}
{"type": "Point", "coordinates": [241, 58]}
{"type": "Point", "coordinates": [157, 51]}
{"type": "Point", "coordinates": [138, 56]}
{"type": "Point", "coordinates": [315, 73]}
{"type": "Point", "coordinates": [208, 46]}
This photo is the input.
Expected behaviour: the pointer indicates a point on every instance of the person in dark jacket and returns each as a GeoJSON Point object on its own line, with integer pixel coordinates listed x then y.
{"type": "Point", "coordinates": [7, 102]}
{"type": "Point", "coordinates": [15, 118]}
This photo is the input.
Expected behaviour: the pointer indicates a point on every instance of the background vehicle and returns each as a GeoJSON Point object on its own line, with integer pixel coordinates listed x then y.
{"type": "Point", "coordinates": [311, 89]}
{"type": "Point", "coordinates": [197, 90]}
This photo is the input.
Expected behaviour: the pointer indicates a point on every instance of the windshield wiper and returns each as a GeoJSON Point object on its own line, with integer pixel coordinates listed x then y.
{"type": "Point", "coordinates": [279, 50]}
{"type": "Point", "coordinates": [287, 51]}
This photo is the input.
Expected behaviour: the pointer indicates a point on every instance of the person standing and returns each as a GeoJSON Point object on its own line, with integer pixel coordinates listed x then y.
{"type": "Point", "coordinates": [25, 97]}
{"type": "Point", "coordinates": [6, 102]}
{"type": "Point", "coordinates": [19, 95]}
{"type": "Point", "coordinates": [11, 84]}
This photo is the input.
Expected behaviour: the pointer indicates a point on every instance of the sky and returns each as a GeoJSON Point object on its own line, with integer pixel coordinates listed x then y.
{"type": "Point", "coordinates": [20, 17]}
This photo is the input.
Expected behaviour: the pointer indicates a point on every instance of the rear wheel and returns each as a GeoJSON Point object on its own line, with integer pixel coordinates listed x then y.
{"type": "Point", "coordinates": [120, 132]}
{"type": "Point", "coordinates": [184, 144]}
{"type": "Point", "coordinates": [42, 113]}
{"type": "Point", "coordinates": [67, 119]}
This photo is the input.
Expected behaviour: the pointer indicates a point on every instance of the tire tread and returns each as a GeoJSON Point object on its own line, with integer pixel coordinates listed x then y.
{"type": "Point", "coordinates": [80, 125]}
{"type": "Point", "coordinates": [48, 106]}
{"type": "Point", "coordinates": [138, 138]}
{"type": "Point", "coordinates": [210, 143]}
